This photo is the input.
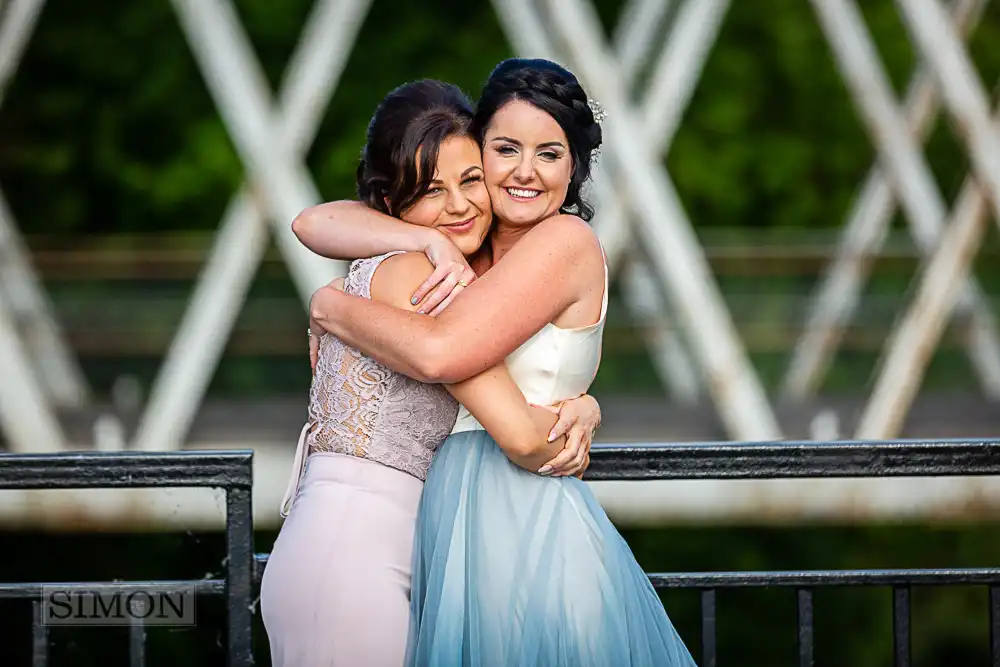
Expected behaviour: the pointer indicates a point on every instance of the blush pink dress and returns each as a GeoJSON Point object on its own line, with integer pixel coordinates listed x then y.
{"type": "Point", "coordinates": [336, 589]}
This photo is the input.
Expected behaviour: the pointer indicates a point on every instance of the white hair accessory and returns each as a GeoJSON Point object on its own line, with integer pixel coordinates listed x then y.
{"type": "Point", "coordinates": [599, 113]}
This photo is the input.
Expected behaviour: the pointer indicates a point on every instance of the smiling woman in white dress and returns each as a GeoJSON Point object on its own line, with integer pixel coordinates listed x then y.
{"type": "Point", "coordinates": [512, 568]}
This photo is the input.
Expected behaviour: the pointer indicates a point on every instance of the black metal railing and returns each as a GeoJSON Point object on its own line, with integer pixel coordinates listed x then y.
{"type": "Point", "coordinates": [788, 460]}
{"type": "Point", "coordinates": [232, 472]}
{"type": "Point", "coordinates": [229, 470]}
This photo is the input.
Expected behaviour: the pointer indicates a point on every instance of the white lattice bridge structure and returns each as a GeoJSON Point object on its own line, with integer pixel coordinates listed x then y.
{"type": "Point", "coordinates": [641, 220]}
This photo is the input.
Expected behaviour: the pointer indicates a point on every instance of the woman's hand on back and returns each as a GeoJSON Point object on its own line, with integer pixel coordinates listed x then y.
{"type": "Point", "coordinates": [579, 419]}
{"type": "Point", "coordinates": [316, 330]}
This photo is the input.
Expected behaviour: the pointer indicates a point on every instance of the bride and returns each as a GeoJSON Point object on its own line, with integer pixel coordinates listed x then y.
{"type": "Point", "coordinates": [512, 568]}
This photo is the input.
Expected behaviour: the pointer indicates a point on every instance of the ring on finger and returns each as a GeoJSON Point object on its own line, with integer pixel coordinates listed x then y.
{"type": "Point", "coordinates": [462, 283]}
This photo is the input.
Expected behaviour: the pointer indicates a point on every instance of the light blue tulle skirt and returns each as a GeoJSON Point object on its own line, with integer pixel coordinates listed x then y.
{"type": "Point", "coordinates": [512, 569]}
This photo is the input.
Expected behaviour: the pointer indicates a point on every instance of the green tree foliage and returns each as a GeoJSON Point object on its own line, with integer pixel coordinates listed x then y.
{"type": "Point", "coordinates": [108, 125]}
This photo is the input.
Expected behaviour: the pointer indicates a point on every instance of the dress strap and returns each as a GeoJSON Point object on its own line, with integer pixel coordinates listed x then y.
{"type": "Point", "coordinates": [607, 283]}
{"type": "Point", "coordinates": [359, 276]}
{"type": "Point", "coordinates": [298, 465]}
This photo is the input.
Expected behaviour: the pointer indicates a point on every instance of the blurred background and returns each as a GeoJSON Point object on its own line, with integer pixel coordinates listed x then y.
{"type": "Point", "coordinates": [117, 168]}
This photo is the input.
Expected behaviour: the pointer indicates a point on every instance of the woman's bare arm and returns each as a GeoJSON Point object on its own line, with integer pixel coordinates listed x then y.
{"type": "Point", "coordinates": [349, 229]}
{"type": "Point", "coordinates": [543, 274]}
{"type": "Point", "coordinates": [521, 430]}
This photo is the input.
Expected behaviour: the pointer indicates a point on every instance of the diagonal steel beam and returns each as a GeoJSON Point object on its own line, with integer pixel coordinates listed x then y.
{"type": "Point", "coordinates": [25, 415]}
{"type": "Point", "coordinates": [525, 30]}
{"type": "Point", "coordinates": [668, 94]}
{"type": "Point", "coordinates": [17, 23]}
{"type": "Point", "coordinates": [194, 354]}
{"type": "Point", "coordinates": [864, 232]}
{"type": "Point", "coordinates": [645, 299]}
{"type": "Point", "coordinates": [967, 104]}
{"type": "Point", "coordinates": [634, 34]}
{"type": "Point", "coordinates": [679, 67]}
{"type": "Point", "coordinates": [905, 166]}
{"type": "Point", "coordinates": [238, 86]}
{"type": "Point", "coordinates": [58, 372]}
{"type": "Point", "coordinates": [961, 89]}
{"type": "Point", "coordinates": [679, 262]}
{"type": "Point", "coordinates": [918, 333]}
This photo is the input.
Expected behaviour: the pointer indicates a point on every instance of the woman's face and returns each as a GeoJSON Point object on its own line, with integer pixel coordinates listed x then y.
{"type": "Point", "coordinates": [527, 163]}
{"type": "Point", "coordinates": [457, 202]}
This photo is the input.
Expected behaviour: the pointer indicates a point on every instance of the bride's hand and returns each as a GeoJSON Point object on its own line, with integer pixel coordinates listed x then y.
{"type": "Point", "coordinates": [451, 275]}
{"type": "Point", "coordinates": [316, 330]}
{"type": "Point", "coordinates": [579, 419]}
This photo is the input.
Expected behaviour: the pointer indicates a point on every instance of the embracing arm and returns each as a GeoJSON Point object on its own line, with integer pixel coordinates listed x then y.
{"type": "Point", "coordinates": [538, 279]}
{"type": "Point", "coordinates": [521, 430]}
{"type": "Point", "coordinates": [349, 229]}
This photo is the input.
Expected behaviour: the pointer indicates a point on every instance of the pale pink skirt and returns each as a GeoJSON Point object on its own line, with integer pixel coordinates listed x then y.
{"type": "Point", "coordinates": [336, 590]}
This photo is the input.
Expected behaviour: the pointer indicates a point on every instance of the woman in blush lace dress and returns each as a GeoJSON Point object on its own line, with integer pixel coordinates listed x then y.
{"type": "Point", "coordinates": [335, 591]}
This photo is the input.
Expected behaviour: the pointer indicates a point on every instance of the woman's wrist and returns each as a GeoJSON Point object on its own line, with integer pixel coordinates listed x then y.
{"type": "Point", "coordinates": [431, 241]}
{"type": "Point", "coordinates": [323, 306]}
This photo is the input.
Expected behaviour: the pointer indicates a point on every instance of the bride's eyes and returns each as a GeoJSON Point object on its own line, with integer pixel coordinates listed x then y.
{"type": "Point", "coordinates": [509, 151]}
{"type": "Point", "coordinates": [472, 179]}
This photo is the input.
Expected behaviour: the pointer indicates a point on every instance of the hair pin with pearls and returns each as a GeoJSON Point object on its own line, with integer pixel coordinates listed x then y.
{"type": "Point", "coordinates": [599, 113]}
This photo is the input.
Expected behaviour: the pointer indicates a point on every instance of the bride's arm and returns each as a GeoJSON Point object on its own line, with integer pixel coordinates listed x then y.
{"type": "Point", "coordinates": [521, 430]}
{"type": "Point", "coordinates": [349, 229]}
{"type": "Point", "coordinates": [543, 274]}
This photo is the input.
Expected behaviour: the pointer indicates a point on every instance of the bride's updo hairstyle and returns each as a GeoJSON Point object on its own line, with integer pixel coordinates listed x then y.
{"type": "Point", "coordinates": [553, 89]}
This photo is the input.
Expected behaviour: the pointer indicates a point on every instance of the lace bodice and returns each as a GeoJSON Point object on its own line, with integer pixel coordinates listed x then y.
{"type": "Point", "coordinates": [359, 407]}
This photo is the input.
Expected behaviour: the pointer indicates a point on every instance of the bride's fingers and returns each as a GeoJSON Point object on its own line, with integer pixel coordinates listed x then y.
{"type": "Point", "coordinates": [562, 426]}
{"type": "Point", "coordinates": [579, 463]}
{"type": "Point", "coordinates": [563, 462]}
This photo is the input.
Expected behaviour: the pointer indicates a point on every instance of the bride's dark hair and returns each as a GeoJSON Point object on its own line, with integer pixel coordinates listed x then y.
{"type": "Point", "coordinates": [403, 140]}
{"type": "Point", "coordinates": [553, 89]}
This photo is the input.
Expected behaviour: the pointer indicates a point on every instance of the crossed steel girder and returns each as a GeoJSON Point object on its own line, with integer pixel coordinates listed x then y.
{"type": "Point", "coordinates": [637, 206]}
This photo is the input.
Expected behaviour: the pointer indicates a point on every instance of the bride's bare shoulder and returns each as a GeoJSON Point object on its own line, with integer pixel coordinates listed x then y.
{"type": "Point", "coordinates": [568, 232]}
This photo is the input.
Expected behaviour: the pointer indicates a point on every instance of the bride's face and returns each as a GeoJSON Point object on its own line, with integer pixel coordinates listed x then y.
{"type": "Point", "coordinates": [528, 164]}
{"type": "Point", "coordinates": [457, 202]}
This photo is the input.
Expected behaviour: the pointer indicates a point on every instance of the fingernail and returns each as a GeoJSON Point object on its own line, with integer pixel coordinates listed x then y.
{"type": "Point", "coordinates": [552, 436]}
{"type": "Point", "coordinates": [420, 311]}
{"type": "Point", "coordinates": [545, 470]}
{"type": "Point", "coordinates": [413, 301]}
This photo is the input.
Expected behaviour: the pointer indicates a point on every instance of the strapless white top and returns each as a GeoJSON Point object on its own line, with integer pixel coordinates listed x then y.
{"type": "Point", "coordinates": [553, 365]}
